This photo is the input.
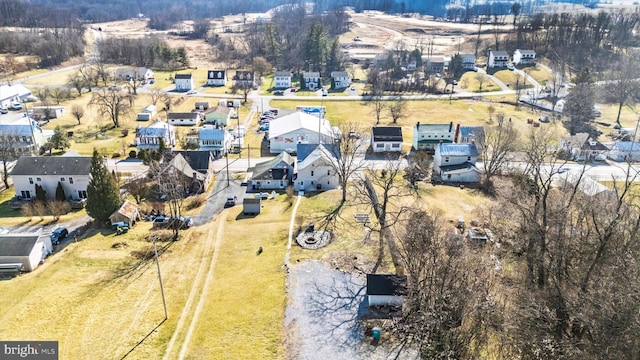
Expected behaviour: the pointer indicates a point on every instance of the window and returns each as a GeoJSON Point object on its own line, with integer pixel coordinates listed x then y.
{"type": "Point", "coordinates": [82, 194]}
{"type": "Point", "coordinates": [30, 180]}
{"type": "Point", "coordinates": [395, 145]}
{"type": "Point", "coordinates": [328, 172]}
{"type": "Point", "coordinates": [446, 159]}
{"type": "Point", "coordinates": [26, 194]}
{"type": "Point", "coordinates": [70, 180]}
{"type": "Point", "coordinates": [379, 146]}
{"type": "Point", "coordinates": [468, 158]}
{"type": "Point", "coordinates": [61, 179]}
{"type": "Point", "coordinates": [38, 179]}
{"type": "Point", "coordinates": [311, 172]}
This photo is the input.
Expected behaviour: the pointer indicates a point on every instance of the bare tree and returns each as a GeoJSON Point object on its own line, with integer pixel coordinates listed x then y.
{"type": "Point", "coordinates": [9, 151]}
{"type": "Point", "coordinates": [397, 108]}
{"type": "Point", "coordinates": [76, 81]}
{"type": "Point", "coordinates": [58, 208]}
{"type": "Point", "coordinates": [155, 96]}
{"type": "Point", "coordinates": [495, 146]}
{"type": "Point", "coordinates": [376, 96]}
{"type": "Point", "coordinates": [133, 83]}
{"type": "Point", "coordinates": [59, 94]}
{"type": "Point", "coordinates": [623, 85]}
{"type": "Point", "coordinates": [90, 76]}
{"type": "Point", "coordinates": [114, 105]}
{"type": "Point", "coordinates": [78, 112]}
{"type": "Point", "coordinates": [348, 149]}
{"type": "Point", "coordinates": [138, 188]}
{"type": "Point", "coordinates": [480, 78]}
{"type": "Point", "coordinates": [173, 187]}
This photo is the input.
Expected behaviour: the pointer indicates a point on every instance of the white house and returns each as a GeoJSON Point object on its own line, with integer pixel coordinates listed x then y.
{"type": "Point", "coordinates": [274, 174]}
{"type": "Point", "coordinates": [23, 252]}
{"type": "Point", "coordinates": [386, 138]}
{"type": "Point", "coordinates": [216, 140]}
{"type": "Point", "coordinates": [282, 79]}
{"type": "Point", "coordinates": [468, 61]}
{"type": "Point", "coordinates": [216, 78]}
{"type": "Point", "coordinates": [24, 136]}
{"type": "Point", "coordinates": [427, 136]}
{"type": "Point", "coordinates": [456, 163]}
{"type": "Point", "coordinates": [625, 151]}
{"type": "Point", "coordinates": [311, 80]}
{"type": "Point", "coordinates": [340, 79]}
{"type": "Point", "coordinates": [287, 132]}
{"type": "Point", "coordinates": [582, 147]}
{"type": "Point", "coordinates": [8, 94]}
{"type": "Point", "coordinates": [498, 59]}
{"type": "Point", "coordinates": [72, 172]}
{"type": "Point", "coordinates": [131, 73]}
{"type": "Point", "coordinates": [524, 57]}
{"type": "Point", "coordinates": [184, 82]}
{"type": "Point", "coordinates": [151, 136]}
{"type": "Point", "coordinates": [386, 289]}
{"type": "Point", "coordinates": [50, 112]}
{"type": "Point", "coordinates": [314, 169]}
{"type": "Point", "coordinates": [184, 119]}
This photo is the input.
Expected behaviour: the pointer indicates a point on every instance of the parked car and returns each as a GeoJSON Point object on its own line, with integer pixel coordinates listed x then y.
{"type": "Point", "coordinates": [16, 106]}
{"type": "Point", "coordinates": [58, 235]}
{"type": "Point", "coordinates": [4, 110]}
{"type": "Point", "coordinates": [278, 93]}
{"type": "Point", "coordinates": [192, 92]}
{"type": "Point", "coordinates": [510, 67]}
{"type": "Point", "coordinates": [273, 111]}
{"type": "Point", "coordinates": [563, 170]}
{"type": "Point", "coordinates": [231, 201]}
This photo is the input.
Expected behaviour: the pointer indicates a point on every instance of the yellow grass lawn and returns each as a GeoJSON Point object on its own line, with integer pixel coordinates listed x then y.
{"type": "Point", "coordinates": [470, 82]}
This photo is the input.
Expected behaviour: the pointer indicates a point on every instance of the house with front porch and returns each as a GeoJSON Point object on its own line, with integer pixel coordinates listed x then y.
{"type": "Point", "coordinates": [434, 64]}
{"type": "Point", "coordinates": [315, 167]}
{"type": "Point", "coordinates": [582, 147]}
{"type": "Point", "coordinates": [282, 79]}
{"type": "Point", "coordinates": [274, 174]}
{"type": "Point", "coordinates": [427, 136]}
{"type": "Point", "coordinates": [72, 172]}
{"type": "Point", "coordinates": [216, 78]}
{"type": "Point", "coordinates": [311, 80]}
{"type": "Point", "coordinates": [214, 139]}
{"type": "Point", "coordinates": [340, 80]}
{"type": "Point", "coordinates": [386, 139]}
{"type": "Point", "coordinates": [524, 57]}
{"type": "Point", "coordinates": [184, 82]}
{"type": "Point", "coordinates": [244, 78]}
{"type": "Point", "coordinates": [152, 136]}
{"type": "Point", "coordinates": [498, 59]}
{"type": "Point", "coordinates": [456, 163]}
{"type": "Point", "coordinates": [468, 61]}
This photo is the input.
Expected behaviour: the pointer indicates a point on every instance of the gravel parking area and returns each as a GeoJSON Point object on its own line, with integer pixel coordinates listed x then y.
{"type": "Point", "coordinates": [321, 317]}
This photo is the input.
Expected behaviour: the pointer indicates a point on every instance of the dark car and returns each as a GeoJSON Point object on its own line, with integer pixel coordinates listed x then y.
{"type": "Point", "coordinates": [58, 235]}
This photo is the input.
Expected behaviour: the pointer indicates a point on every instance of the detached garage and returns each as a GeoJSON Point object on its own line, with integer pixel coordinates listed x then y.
{"type": "Point", "coordinates": [23, 252]}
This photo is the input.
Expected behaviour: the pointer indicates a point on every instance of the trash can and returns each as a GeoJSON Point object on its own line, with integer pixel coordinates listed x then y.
{"type": "Point", "coordinates": [376, 333]}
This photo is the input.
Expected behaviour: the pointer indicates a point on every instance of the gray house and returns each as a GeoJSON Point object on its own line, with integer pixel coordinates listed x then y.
{"type": "Point", "coordinates": [274, 174]}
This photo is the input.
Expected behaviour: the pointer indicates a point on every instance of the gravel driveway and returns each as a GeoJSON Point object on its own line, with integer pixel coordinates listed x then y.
{"type": "Point", "coordinates": [321, 317]}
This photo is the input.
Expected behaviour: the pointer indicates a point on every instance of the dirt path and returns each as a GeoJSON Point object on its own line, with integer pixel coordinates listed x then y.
{"type": "Point", "coordinates": [189, 314]}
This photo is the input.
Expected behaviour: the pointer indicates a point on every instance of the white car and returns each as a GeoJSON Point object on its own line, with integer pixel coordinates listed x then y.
{"type": "Point", "coordinates": [3, 230]}
{"type": "Point", "coordinates": [192, 92]}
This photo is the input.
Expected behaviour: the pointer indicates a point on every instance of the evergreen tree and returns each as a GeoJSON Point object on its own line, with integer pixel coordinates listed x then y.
{"type": "Point", "coordinates": [40, 193]}
{"type": "Point", "coordinates": [60, 195]}
{"type": "Point", "coordinates": [334, 59]}
{"type": "Point", "coordinates": [103, 195]}
{"type": "Point", "coordinates": [315, 47]}
{"type": "Point", "coordinates": [58, 140]}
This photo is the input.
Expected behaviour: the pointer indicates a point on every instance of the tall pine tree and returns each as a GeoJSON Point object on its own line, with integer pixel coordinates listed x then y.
{"type": "Point", "coordinates": [60, 195]}
{"type": "Point", "coordinates": [103, 195]}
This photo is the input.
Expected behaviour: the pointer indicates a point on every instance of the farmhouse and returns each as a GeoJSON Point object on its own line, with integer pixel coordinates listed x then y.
{"type": "Point", "coordinates": [23, 252]}
{"type": "Point", "coordinates": [468, 61]}
{"type": "Point", "coordinates": [386, 289]}
{"type": "Point", "coordinates": [131, 73]}
{"type": "Point", "coordinates": [216, 140]}
{"type": "Point", "coordinates": [427, 136]}
{"type": "Point", "coordinates": [524, 57]}
{"type": "Point", "coordinates": [189, 180]}
{"type": "Point", "coordinates": [311, 80]}
{"type": "Point", "coordinates": [220, 116]}
{"type": "Point", "coordinates": [72, 172]}
{"type": "Point", "coordinates": [582, 146]}
{"type": "Point", "coordinates": [470, 135]}
{"type": "Point", "coordinates": [282, 79]}
{"type": "Point", "coordinates": [216, 78]}
{"type": "Point", "coordinates": [314, 169]}
{"type": "Point", "coordinates": [456, 163]}
{"type": "Point", "coordinates": [274, 174]}
{"type": "Point", "coordinates": [287, 132]}
{"type": "Point", "coordinates": [152, 136]}
{"type": "Point", "coordinates": [386, 138]}
{"type": "Point", "coordinates": [434, 64]}
{"type": "Point", "coordinates": [244, 78]}
{"type": "Point", "coordinates": [200, 161]}
{"type": "Point", "coordinates": [340, 80]}
{"type": "Point", "coordinates": [184, 82]}
{"type": "Point", "coordinates": [498, 59]}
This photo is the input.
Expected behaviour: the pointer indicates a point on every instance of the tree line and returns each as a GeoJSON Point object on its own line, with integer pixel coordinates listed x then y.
{"type": "Point", "coordinates": [150, 51]}
{"type": "Point", "coordinates": [51, 46]}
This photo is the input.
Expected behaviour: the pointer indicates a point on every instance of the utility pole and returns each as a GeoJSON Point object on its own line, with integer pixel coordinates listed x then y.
{"type": "Point", "coordinates": [164, 301]}
{"type": "Point", "coordinates": [226, 155]}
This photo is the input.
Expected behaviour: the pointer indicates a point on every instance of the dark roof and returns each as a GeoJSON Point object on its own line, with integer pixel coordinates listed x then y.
{"type": "Point", "coordinates": [303, 150]}
{"type": "Point", "coordinates": [463, 166]}
{"type": "Point", "coordinates": [386, 284]}
{"type": "Point", "coordinates": [264, 170]}
{"type": "Point", "coordinates": [182, 115]}
{"type": "Point", "coordinates": [17, 245]}
{"type": "Point", "coordinates": [215, 74]}
{"type": "Point", "coordinates": [199, 160]}
{"type": "Point", "coordinates": [52, 165]}
{"type": "Point", "coordinates": [182, 76]}
{"type": "Point", "coordinates": [251, 200]}
{"type": "Point", "coordinates": [387, 133]}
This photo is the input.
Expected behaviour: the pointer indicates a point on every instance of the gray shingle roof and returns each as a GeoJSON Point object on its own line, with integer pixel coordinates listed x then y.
{"type": "Point", "coordinates": [387, 133]}
{"type": "Point", "coordinates": [17, 244]}
{"type": "Point", "coordinates": [381, 284]}
{"type": "Point", "coordinates": [182, 76]}
{"type": "Point", "coordinates": [49, 165]}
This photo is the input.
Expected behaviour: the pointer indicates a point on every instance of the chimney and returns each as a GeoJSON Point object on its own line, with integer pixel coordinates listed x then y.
{"type": "Point", "coordinates": [418, 125]}
{"type": "Point", "coordinates": [455, 136]}
{"type": "Point", "coordinates": [450, 126]}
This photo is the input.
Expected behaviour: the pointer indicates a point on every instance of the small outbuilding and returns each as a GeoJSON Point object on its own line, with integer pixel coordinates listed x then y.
{"type": "Point", "coordinates": [251, 205]}
{"type": "Point", "coordinates": [128, 213]}
{"type": "Point", "coordinates": [23, 252]}
{"type": "Point", "coordinates": [386, 289]}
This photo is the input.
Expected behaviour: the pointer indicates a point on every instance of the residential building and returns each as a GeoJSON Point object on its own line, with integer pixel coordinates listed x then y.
{"type": "Point", "coordinates": [216, 140]}
{"type": "Point", "coordinates": [201, 106]}
{"type": "Point", "coordinates": [468, 61]}
{"type": "Point", "coordinates": [152, 136]}
{"type": "Point", "coordinates": [456, 163]}
{"type": "Point", "coordinates": [498, 59]}
{"type": "Point", "coordinates": [470, 135]}
{"type": "Point", "coordinates": [24, 136]}
{"type": "Point", "coordinates": [217, 78]}
{"type": "Point", "coordinates": [150, 109]}
{"type": "Point", "coordinates": [282, 79]}
{"type": "Point", "coordinates": [386, 138]}
{"type": "Point", "coordinates": [434, 64]}
{"type": "Point", "coordinates": [427, 136]}
{"type": "Point", "coordinates": [184, 119]}
{"type": "Point", "coordinates": [287, 132]}
{"type": "Point", "coordinates": [23, 252]}
{"type": "Point", "coordinates": [340, 80]}
{"type": "Point", "coordinates": [188, 180]}
{"type": "Point", "coordinates": [624, 151]}
{"type": "Point", "coordinates": [8, 94]}
{"type": "Point", "coordinates": [220, 116]}
{"type": "Point", "coordinates": [524, 57]}
{"type": "Point", "coordinates": [315, 167]}
{"type": "Point", "coordinates": [200, 161]}
{"type": "Point", "coordinates": [386, 290]}
{"type": "Point", "coordinates": [184, 82]}
{"type": "Point", "coordinates": [245, 78]}
{"type": "Point", "coordinates": [311, 80]}
{"type": "Point", "coordinates": [582, 147]}
{"type": "Point", "coordinates": [47, 112]}
{"type": "Point", "coordinates": [274, 174]}
{"type": "Point", "coordinates": [72, 172]}
{"type": "Point", "coordinates": [132, 73]}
